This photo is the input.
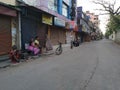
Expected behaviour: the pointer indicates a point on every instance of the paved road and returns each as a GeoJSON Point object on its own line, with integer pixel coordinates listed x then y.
{"type": "Point", "coordinates": [91, 66]}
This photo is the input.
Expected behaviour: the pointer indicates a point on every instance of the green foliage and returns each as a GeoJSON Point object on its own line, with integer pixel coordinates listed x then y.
{"type": "Point", "coordinates": [108, 33]}
{"type": "Point", "coordinates": [113, 24]}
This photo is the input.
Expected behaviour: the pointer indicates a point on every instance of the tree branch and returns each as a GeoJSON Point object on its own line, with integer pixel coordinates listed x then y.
{"type": "Point", "coordinates": [117, 11]}
{"type": "Point", "coordinates": [108, 7]}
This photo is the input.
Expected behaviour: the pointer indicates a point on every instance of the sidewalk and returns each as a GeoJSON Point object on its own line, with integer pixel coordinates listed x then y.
{"type": "Point", "coordinates": [5, 61]}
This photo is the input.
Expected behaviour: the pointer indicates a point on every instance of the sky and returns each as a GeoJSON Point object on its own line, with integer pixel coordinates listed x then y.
{"type": "Point", "coordinates": [89, 6]}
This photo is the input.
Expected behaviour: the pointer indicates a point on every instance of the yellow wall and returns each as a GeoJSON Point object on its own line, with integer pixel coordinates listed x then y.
{"type": "Point", "coordinates": [11, 2]}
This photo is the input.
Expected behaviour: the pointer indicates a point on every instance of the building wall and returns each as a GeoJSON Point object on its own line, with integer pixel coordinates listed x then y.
{"type": "Point", "coordinates": [117, 37]}
{"type": "Point", "coordinates": [8, 26]}
{"type": "Point", "coordinates": [49, 7]}
{"type": "Point", "coordinates": [112, 36]}
{"type": "Point", "coordinates": [12, 2]}
{"type": "Point", "coordinates": [93, 18]}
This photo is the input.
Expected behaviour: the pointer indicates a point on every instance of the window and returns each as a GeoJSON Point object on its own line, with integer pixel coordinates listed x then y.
{"type": "Point", "coordinates": [52, 5]}
{"type": "Point", "coordinates": [56, 5]}
{"type": "Point", "coordinates": [65, 10]}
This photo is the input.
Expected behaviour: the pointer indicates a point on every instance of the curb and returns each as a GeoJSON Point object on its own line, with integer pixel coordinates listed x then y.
{"type": "Point", "coordinates": [8, 64]}
{"type": "Point", "coordinates": [4, 62]}
{"type": "Point", "coordinates": [5, 66]}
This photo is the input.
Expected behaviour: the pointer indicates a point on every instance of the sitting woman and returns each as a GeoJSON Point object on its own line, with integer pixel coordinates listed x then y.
{"type": "Point", "coordinates": [33, 48]}
{"type": "Point", "coordinates": [14, 54]}
{"type": "Point", "coordinates": [36, 49]}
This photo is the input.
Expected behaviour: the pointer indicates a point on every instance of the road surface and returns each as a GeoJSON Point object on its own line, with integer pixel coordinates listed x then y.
{"type": "Point", "coordinates": [91, 66]}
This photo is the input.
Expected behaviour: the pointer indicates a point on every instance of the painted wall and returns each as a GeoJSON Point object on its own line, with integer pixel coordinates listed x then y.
{"type": "Point", "coordinates": [11, 2]}
{"type": "Point", "coordinates": [117, 37]}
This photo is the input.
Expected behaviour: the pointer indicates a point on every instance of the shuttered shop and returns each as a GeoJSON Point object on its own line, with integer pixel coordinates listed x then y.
{"type": "Point", "coordinates": [5, 34]}
{"type": "Point", "coordinates": [57, 34]}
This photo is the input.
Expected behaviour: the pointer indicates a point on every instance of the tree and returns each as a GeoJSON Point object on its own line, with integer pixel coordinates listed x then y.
{"type": "Point", "coordinates": [108, 7]}
{"type": "Point", "coordinates": [113, 12]}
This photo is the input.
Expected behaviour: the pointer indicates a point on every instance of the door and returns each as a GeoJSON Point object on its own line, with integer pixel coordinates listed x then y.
{"type": "Point", "coordinates": [5, 34]}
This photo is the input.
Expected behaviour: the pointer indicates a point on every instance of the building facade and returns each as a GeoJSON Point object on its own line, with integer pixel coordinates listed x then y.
{"type": "Point", "coordinates": [21, 20]}
{"type": "Point", "coordinates": [94, 19]}
{"type": "Point", "coordinates": [8, 26]}
{"type": "Point", "coordinates": [57, 12]}
{"type": "Point", "coordinates": [83, 25]}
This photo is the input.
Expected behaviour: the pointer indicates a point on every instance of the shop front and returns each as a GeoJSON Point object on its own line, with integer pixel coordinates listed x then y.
{"type": "Point", "coordinates": [8, 29]}
{"type": "Point", "coordinates": [58, 31]}
{"type": "Point", "coordinates": [71, 30]}
{"type": "Point", "coordinates": [34, 23]}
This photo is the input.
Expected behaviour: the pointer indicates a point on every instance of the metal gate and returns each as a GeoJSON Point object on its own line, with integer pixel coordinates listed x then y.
{"type": "Point", "coordinates": [5, 34]}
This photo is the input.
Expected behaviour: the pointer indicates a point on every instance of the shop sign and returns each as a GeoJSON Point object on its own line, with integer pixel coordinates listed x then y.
{"type": "Point", "coordinates": [71, 25]}
{"type": "Point", "coordinates": [59, 22]}
{"type": "Point", "coordinates": [47, 19]}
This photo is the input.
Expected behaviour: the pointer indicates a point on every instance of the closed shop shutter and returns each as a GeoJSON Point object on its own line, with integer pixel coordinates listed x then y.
{"type": "Point", "coordinates": [68, 39]}
{"type": "Point", "coordinates": [32, 28]}
{"type": "Point", "coordinates": [41, 32]}
{"type": "Point", "coordinates": [5, 34]}
{"type": "Point", "coordinates": [29, 28]}
{"type": "Point", "coordinates": [54, 36]}
{"type": "Point", "coordinates": [57, 34]}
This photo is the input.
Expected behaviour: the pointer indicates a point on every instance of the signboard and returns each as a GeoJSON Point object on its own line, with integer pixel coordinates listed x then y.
{"type": "Point", "coordinates": [79, 12]}
{"type": "Point", "coordinates": [72, 25]}
{"type": "Point", "coordinates": [59, 22]}
{"type": "Point", "coordinates": [45, 5]}
{"type": "Point", "coordinates": [47, 19]}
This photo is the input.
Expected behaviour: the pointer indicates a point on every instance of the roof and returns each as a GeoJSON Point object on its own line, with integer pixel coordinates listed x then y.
{"type": "Point", "coordinates": [9, 6]}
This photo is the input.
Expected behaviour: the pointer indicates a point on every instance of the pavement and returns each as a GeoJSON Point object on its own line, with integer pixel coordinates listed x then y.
{"type": "Point", "coordinates": [6, 62]}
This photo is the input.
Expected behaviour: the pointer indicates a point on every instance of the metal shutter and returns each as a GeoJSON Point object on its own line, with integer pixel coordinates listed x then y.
{"type": "Point", "coordinates": [5, 34]}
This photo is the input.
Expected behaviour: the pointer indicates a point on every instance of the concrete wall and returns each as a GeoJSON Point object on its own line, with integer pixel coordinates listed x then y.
{"type": "Point", "coordinates": [117, 37]}
{"type": "Point", "coordinates": [11, 2]}
{"type": "Point", "coordinates": [112, 36]}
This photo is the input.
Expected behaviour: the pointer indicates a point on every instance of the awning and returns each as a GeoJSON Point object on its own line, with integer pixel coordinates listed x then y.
{"type": "Point", "coordinates": [8, 10]}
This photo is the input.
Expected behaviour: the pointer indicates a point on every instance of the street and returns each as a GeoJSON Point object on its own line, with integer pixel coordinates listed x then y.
{"type": "Point", "coordinates": [91, 66]}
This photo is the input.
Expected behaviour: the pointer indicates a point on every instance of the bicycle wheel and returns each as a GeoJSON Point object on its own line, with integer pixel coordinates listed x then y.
{"type": "Point", "coordinates": [58, 51]}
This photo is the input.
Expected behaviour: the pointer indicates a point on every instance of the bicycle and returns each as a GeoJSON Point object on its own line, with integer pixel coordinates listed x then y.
{"type": "Point", "coordinates": [59, 49]}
